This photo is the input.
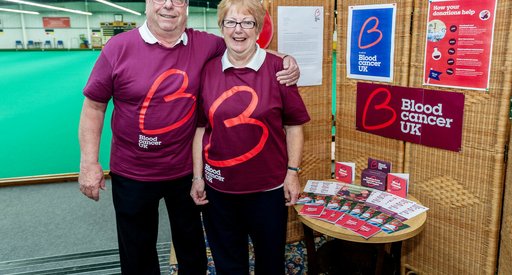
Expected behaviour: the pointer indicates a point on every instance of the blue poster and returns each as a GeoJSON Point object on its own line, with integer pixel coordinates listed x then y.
{"type": "Point", "coordinates": [370, 42]}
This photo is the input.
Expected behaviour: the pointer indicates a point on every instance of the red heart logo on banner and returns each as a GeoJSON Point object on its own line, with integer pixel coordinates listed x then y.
{"type": "Point", "coordinates": [384, 106]}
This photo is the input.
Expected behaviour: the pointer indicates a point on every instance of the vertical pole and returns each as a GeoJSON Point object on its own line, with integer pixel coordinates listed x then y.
{"type": "Point", "coordinates": [23, 29]}
{"type": "Point", "coordinates": [204, 19]}
{"type": "Point", "coordinates": [88, 24]}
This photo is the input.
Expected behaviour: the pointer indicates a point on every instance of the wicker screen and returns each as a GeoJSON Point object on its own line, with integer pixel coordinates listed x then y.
{"type": "Point", "coordinates": [505, 253]}
{"type": "Point", "coordinates": [316, 161]}
{"type": "Point", "coordinates": [463, 190]}
{"type": "Point", "coordinates": [352, 145]}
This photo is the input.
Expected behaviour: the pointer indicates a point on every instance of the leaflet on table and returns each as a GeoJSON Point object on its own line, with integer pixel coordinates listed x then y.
{"type": "Point", "coordinates": [335, 202]}
{"type": "Point", "coordinates": [312, 210]}
{"type": "Point", "coordinates": [394, 226]}
{"type": "Point", "coordinates": [368, 213]}
{"type": "Point", "coordinates": [379, 218]}
{"type": "Point", "coordinates": [411, 212]}
{"type": "Point", "coordinates": [378, 199]}
{"type": "Point", "coordinates": [322, 187]}
{"type": "Point", "coordinates": [358, 209]}
{"type": "Point", "coordinates": [388, 202]}
{"type": "Point", "coordinates": [367, 230]}
{"type": "Point", "coordinates": [385, 200]}
{"type": "Point", "coordinates": [363, 210]}
{"type": "Point", "coordinates": [350, 222]}
{"type": "Point", "coordinates": [400, 205]}
{"type": "Point", "coordinates": [332, 191]}
{"type": "Point", "coordinates": [358, 225]}
{"type": "Point", "coordinates": [357, 217]}
{"type": "Point", "coordinates": [347, 205]}
{"type": "Point", "coordinates": [330, 215]}
{"type": "Point", "coordinates": [312, 198]}
{"type": "Point", "coordinates": [354, 192]}
{"type": "Point", "coordinates": [395, 206]}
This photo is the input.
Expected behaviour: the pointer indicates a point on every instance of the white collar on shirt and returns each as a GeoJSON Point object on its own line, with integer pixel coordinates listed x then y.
{"type": "Point", "coordinates": [255, 62]}
{"type": "Point", "coordinates": [149, 38]}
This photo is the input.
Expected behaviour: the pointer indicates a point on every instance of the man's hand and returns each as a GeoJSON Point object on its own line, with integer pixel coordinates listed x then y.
{"type": "Point", "coordinates": [197, 192]}
{"type": "Point", "coordinates": [91, 180]}
{"type": "Point", "coordinates": [291, 73]}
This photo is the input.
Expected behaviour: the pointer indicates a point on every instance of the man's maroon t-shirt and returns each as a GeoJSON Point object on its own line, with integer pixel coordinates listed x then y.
{"type": "Point", "coordinates": [154, 92]}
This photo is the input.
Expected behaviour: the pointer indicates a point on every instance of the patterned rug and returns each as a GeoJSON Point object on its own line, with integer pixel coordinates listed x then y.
{"type": "Point", "coordinates": [296, 259]}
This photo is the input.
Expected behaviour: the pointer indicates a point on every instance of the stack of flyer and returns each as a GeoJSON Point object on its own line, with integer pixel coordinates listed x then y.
{"type": "Point", "coordinates": [364, 210]}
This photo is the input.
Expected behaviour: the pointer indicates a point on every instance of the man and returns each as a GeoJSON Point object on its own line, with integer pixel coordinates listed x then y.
{"type": "Point", "coordinates": [153, 74]}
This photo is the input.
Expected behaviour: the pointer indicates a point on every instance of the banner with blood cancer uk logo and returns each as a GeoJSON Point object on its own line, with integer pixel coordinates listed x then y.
{"type": "Point", "coordinates": [371, 42]}
{"type": "Point", "coordinates": [459, 43]}
{"type": "Point", "coordinates": [428, 117]}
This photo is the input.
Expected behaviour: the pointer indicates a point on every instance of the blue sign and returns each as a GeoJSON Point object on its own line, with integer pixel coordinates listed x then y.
{"type": "Point", "coordinates": [370, 42]}
{"type": "Point", "coordinates": [434, 75]}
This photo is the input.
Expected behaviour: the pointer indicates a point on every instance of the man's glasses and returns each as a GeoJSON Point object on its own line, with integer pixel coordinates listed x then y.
{"type": "Point", "coordinates": [243, 24]}
{"type": "Point", "coordinates": [176, 3]}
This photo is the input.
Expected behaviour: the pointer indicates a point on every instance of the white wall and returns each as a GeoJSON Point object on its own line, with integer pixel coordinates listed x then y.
{"type": "Point", "coordinates": [30, 27]}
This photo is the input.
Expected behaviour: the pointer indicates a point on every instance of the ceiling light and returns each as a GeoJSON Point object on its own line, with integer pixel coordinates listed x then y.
{"type": "Point", "coordinates": [118, 7]}
{"type": "Point", "coordinates": [48, 7]}
{"type": "Point", "coordinates": [19, 11]}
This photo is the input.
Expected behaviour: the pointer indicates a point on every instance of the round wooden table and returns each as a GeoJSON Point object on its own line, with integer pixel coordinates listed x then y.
{"type": "Point", "coordinates": [416, 225]}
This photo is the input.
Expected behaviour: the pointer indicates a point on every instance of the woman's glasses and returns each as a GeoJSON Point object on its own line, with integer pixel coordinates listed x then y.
{"type": "Point", "coordinates": [243, 24]}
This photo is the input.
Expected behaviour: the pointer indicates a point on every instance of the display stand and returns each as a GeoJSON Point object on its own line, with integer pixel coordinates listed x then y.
{"type": "Point", "coordinates": [416, 225]}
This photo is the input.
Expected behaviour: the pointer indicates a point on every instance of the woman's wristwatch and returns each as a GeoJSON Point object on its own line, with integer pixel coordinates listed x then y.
{"type": "Point", "coordinates": [296, 169]}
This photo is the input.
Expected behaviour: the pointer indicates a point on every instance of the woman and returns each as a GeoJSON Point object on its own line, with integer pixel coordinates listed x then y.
{"type": "Point", "coordinates": [247, 147]}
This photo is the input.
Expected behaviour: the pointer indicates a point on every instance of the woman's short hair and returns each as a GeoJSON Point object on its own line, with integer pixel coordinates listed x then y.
{"type": "Point", "coordinates": [253, 7]}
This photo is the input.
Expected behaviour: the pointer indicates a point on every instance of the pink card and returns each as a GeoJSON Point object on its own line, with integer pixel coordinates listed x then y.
{"type": "Point", "coordinates": [343, 219]}
{"type": "Point", "coordinates": [344, 172]}
{"type": "Point", "coordinates": [312, 210]}
{"type": "Point", "coordinates": [350, 222]}
{"type": "Point", "coordinates": [367, 230]}
{"type": "Point", "coordinates": [336, 215]}
{"type": "Point", "coordinates": [326, 214]}
{"type": "Point", "coordinates": [397, 184]}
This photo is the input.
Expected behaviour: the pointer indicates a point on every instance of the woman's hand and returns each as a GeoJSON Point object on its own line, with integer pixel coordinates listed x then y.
{"type": "Point", "coordinates": [291, 187]}
{"type": "Point", "coordinates": [197, 192]}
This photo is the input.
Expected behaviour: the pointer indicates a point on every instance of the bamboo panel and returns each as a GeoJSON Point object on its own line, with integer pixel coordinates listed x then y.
{"type": "Point", "coordinates": [485, 124]}
{"type": "Point", "coordinates": [461, 232]}
{"type": "Point", "coordinates": [352, 145]}
{"type": "Point", "coordinates": [463, 190]}
{"type": "Point", "coordinates": [316, 162]}
{"type": "Point", "coordinates": [505, 254]}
